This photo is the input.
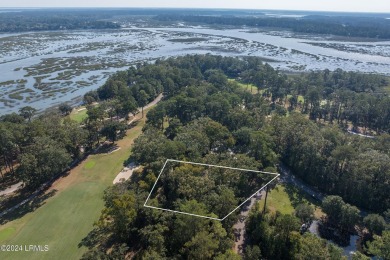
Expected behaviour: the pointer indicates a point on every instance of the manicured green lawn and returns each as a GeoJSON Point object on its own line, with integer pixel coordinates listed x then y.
{"type": "Point", "coordinates": [78, 116]}
{"type": "Point", "coordinates": [66, 218]}
{"type": "Point", "coordinates": [90, 164]}
{"type": "Point", "coordinates": [285, 198]}
{"type": "Point", "coordinates": [278, 200]}
{"type": "Point", "coordinates": [61, 223]}
{"type": "Point", "coordinates": [301, 99]}
{"type": "Point", "coordinates": [248, 87]}
{"type": "Point", "coordinates": [6, 233]}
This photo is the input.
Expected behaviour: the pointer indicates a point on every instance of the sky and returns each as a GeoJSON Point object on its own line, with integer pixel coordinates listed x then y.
{"type": "Point", "coordinates": [382, 6]}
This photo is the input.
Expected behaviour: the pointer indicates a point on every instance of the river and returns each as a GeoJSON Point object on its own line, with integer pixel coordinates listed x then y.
{"type": "Point", "coordinates": [42, 69]}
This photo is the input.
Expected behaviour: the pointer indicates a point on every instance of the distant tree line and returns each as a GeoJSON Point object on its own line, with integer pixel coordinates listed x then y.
{"type": "Point", "coordinates": [52, 20]}
{"type": "Point", "coordinates": [348, 26]}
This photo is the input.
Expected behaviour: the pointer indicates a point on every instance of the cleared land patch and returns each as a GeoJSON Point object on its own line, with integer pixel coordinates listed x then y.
{"type": "Point", "coordinates": [284, 198]}
{"type": "Point", "coordinates": [78, 116]}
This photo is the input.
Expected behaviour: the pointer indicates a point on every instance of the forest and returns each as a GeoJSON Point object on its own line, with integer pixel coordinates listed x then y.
{"type": "Point", "coordinates": [347, 26]}
{"type": "Point", "coordinates": [208, 115]}
{"type": "Point", "coordinates": [211, 114]}
{"type": "Point", "coordinates": [51, 20]}
{"type": "Point", "coordinates": [340, 24]}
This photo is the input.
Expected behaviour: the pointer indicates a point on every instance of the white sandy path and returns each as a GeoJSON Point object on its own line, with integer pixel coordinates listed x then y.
{"type": "Point", "coordinates": [126, 173]}
{"type": "Point", "coordinates": [11, 189]}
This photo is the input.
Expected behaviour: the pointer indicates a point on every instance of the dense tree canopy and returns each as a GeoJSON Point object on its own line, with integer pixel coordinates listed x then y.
{"type": "Point", "coordinates": [348, 26]}
{"type": "Point", "coordinates": [208, 116]}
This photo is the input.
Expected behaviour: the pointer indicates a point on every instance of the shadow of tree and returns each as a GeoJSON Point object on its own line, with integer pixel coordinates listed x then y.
{"type": "Point", "coordinates": [133, 124]}
{"type": "Point", "coordinates": [91, 239]}
{"type": "Point", "coordinates": [7, 179]}
{"type": "Point", "coordinates": [106, 148]}
{"type": "Point", "coordinates": [128, 161]}
{"type": "Point", "coordinates": [297, 197]}
{"type": "Point", "coordinates": [30, 206]}
{"type": "Point", "coordinates": [330, 232]}
{"type": "Point", "coordinates": [97, 238]}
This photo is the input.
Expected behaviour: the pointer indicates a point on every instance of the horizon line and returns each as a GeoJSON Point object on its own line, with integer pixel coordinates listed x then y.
{"type": "Point", "coordinates": [191, 8]}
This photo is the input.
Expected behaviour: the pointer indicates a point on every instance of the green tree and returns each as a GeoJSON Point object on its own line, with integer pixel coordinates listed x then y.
{"type": "Point", "coordinates": [74, 137]}
{"type": "Point", "coordinates": [91, 97]}
{"type": "Point", "coordinates": [350, 217]}
{"type": "Point", "coordinates": [129, 106]}
{"type": "Point", "coordinates": [153, 238]}
{"type": "Point", "coordinates": [372, 168]}
{"type": "Point", "coordinates": [375, 223]}
{"type": "Point", "coordinates": [12, 118]}
{"type": "Point", "coordinates": [114, 130]}
{"type": "Point", "coordinates": [196, 141]}
{"type": "Point", "coordinates": [143, 100]}
{"type": "Point", "coordinates": [8, 148]}
{"type": "Point", "coordinates": [312, 247]}
{"type": "Point", "coordinates": [332, 206]}
{"type": "Point", "coordinates": [252, 253]}
{"type": "Point", "coordinates": [65, 109]}
{"type": "Point", "coordinates": [27, 112]}
{"type": "Point", "coordinates": [220, 137]}
{"type": "Point", "coordinates": [386, 215]}
{"type": "Point", "coordinates": [152, 255]}
{"type": "Point", "coordinates": [153, 146]}
{"type": "Point", "coordinates": [123, 212]}
{"type": "Point", "coordinates": [95, 113]}
{"type": "Point", "coordinates": [222, 201]}
{"type": "Point", "coordinates": [93, 129]}
{"type": "Point", "coordinates": [173, 128]}
{"type": "Point", "coordinates": [285, 224]}
{"type": "Point", "coordinates": [202, 238]}
{"type": "Point", "coordinates": [229, 254]}
{"type": "Point", "coordinates": [187, 182]}
{"type": "Point", "coordinates": [261, 148]}
{"type": "Point", "coordinates": [340, 213]}
{"type": "Point", "coordinates": [380, 246]}
{"type": "Point", "coordinates": [243, 139]}
{"type": "Point", "coordinates": [185, 227]}
{"type": "Point", "coordinates": [156, 117]}
{"type": "Point", "coordinates": [202, 246]}
{"type": "Point", "coordinates": [43, 160]}
{"type": "Point", "coordinates": [217, 78]}
{"type": "Point", "coordinates": [304, 212]}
